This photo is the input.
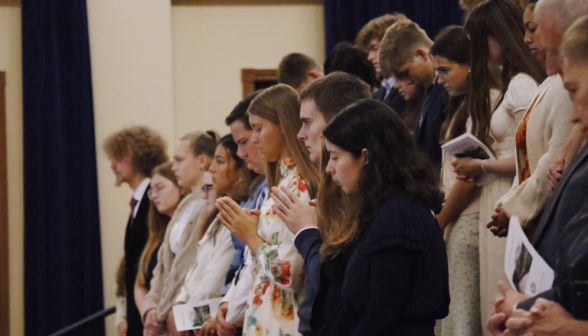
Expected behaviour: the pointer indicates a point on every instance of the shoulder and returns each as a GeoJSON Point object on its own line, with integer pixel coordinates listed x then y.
{"type": "Point", "coordinates": [401, 220]}
{"type": "Point", "coordinates": [521, 90]}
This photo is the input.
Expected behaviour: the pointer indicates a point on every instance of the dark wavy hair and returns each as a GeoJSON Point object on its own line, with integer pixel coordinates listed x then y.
{"type": "Point", "coordinates": [394, 164]}
{"type": "Point", "coordinates": [348, 58]}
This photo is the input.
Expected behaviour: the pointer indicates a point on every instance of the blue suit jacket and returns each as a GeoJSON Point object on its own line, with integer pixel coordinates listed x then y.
{"type": "Point", "coordinates": [432, 116]}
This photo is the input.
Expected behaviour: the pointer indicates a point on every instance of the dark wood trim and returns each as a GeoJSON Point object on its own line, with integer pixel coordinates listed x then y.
{"type": "Point", "coordinates": [9, 3]}
{"type": "Point", "coordinates": [4, 288]}
{"type": "Point", "coordinates": [250, 76]}
{"type": "Point", "coordinates": [242, 2]}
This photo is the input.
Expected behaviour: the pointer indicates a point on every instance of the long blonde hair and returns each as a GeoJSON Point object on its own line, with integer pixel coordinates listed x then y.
{"type": "Point", "coordinates": [157, 224]}
{"type": "Point", "coordinates": [279, 104]}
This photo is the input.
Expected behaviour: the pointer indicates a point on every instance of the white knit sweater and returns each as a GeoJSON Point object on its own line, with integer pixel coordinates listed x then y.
{"type": "Point", "coordinates": [548, 128]}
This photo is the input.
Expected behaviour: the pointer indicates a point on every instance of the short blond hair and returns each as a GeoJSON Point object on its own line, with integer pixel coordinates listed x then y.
{"type": "Point", "coordinates": [399, 44]}
{"type": "Point", "coordinates": [376, 28]}
{"type": "Point", "coordinates": [575, 41]}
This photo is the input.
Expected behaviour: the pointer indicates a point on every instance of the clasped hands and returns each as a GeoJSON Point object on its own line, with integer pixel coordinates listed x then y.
{"type": "Point", "coordinates": [467, 169]}
{"type": "Point", "coordinates": [295, 213]}
{"type": "Point", "coordinates": [241, 222]}
{"type": "Point", "coordinates": [545, 318]}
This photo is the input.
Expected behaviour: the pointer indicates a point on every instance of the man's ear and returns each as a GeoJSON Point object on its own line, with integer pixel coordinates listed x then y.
{"type": "Point", "coordinates": [316, 74]}
{"type": "Point", "coordinates": [421, 54]}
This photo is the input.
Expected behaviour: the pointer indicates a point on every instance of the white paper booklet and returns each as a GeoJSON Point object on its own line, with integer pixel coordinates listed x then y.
{"type": "Point", "coordinates": [192, 315]}
{"type": "Point", "coordinates": [467, 145]}
{"type": "Point", "coordinates": [526, 271]}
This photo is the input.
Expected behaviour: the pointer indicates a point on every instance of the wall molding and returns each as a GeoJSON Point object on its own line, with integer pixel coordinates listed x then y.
{"type": "Point", "coordinates": [238, 2]}
{"type": "Point", "coordinates": [4, 264]}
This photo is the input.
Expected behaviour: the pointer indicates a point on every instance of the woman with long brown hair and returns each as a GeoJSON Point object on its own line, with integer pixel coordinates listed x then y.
{"type": "Point", "coordinates": [497, 33]}
{"type": "Point", "coordinates": [385, 266]}
{"type": "Point", "coordinates": [165, 195]}
{"type": "Point", "coordinates": [278, 277]}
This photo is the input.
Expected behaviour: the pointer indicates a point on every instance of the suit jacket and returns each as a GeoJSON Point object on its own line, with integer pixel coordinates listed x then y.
{"type": "Point", "coordinates": [556, 225]}
{"type": "Point", "coordinates": [308, 243]}
{"type": "Point", "coordinates": [432, 116]}
{"type": "Point", "coordinates": [394, 99]}
{"type": "Point", "coordinates": [135, 238]}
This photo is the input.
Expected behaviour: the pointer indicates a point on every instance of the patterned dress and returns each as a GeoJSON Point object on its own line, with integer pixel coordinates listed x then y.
{"type": "Point", "coordinates": [278, 283]}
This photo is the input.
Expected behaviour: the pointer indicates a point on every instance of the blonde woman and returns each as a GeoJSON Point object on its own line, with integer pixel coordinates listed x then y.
{"type": "Point", "coordinates": [278, 277]}
{"type": "Point", "coordinates": [192, 156]}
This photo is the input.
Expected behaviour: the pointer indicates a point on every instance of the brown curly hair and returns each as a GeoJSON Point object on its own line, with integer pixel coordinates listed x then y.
{"type": "Point", "coordinates": [145, 147]}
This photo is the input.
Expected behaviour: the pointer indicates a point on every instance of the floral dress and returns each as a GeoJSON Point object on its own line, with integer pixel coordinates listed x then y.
{"type": "Point", "coordinates": [278, 276]}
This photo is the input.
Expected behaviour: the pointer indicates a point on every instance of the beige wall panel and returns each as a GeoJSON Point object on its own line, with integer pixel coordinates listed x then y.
{"type": "Point", "coordinates": [211, 44]}
{"type": "Point", "coordinates": [130, 45]}
{"type": "Point", "coordinates": [10, 61]}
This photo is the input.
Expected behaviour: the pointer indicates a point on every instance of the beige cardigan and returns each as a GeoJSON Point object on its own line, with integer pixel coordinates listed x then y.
{"type": "Point", "coordinates": [170, 272]}
{"type": "Point", "coordinates": [548, 128]}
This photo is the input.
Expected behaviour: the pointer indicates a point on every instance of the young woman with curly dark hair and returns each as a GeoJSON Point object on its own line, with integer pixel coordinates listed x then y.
{"type": "Point", "coordinates": [385, 268]}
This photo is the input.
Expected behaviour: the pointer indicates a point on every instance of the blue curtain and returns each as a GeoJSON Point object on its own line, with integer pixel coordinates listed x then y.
{"type": "Point", "coordinates": [344, 18]}
{"type": "Point", "coordinates": [62, 253]}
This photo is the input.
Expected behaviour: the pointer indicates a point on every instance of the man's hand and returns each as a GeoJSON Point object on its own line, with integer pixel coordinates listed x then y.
{"type": "Point", "coordinates": [499, 223]}
{"type": "Point", "coordinates": [546, 318]}
{"type": "Point", "coordinates": [496, 324]}
{"type": "Point", "coordinates": [507, 299]}
{"type": "Point", "coordinates": [556, 169]}
{"type": "Point", "coordinates": [224, 328]}
{"type": "Point", "coordinates": [295, 213]}
{"type": "Point", "coordinates": [122, 328]}
{"type": "Point", "coordinates": [151, 325]}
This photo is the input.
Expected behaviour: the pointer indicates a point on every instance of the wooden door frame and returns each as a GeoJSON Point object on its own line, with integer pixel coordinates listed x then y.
{"type": "Point", "coordinates": [250, 76]}
{"type": "Point", "coordinates": [4, 285]}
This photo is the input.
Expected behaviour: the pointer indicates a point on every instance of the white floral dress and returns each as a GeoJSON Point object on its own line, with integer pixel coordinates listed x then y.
{"type": "Point", "coordinates": [278, 283]}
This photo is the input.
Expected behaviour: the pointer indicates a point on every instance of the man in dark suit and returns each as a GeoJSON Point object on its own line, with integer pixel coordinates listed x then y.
{"type": "Point", "coordinates": [370, 38]}
{"type": "Point", "coordinates": [405, 53]}
{"type": "Point", "coordinates": [133, 153]}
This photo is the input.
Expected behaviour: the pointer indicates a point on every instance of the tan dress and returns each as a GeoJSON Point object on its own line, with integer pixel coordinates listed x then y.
{"type": "Point", "coordinates": [461, 239]}
{"type": "Point", "coordinates": [502, 129]}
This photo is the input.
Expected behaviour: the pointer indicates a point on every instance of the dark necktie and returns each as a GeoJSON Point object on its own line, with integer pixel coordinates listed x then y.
{"type": "Point", "coordinates": [133, 205]}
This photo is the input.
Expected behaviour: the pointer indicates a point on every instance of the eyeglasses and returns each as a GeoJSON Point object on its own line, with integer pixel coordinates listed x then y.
{"type": "Point", "coordinates": [207, 188]}
{"type": "Point", "coordinates": [155, 191]}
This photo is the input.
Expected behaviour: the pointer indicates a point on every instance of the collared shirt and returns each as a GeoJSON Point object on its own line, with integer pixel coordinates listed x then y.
{"type": "Point", "coordinates": [139, 192]}
{"type": "Point", "coordinates": [389, 85]}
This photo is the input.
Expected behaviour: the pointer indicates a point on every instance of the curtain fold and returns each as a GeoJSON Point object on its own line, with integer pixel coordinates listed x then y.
{"type": "Point", "coordinates": [344, 18]}
{"type": "Point", "coordinates": [62, 252]}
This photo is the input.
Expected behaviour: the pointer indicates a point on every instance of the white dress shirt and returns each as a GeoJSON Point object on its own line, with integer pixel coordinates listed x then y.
{"type": "Point", "coordinates": [139, 193]}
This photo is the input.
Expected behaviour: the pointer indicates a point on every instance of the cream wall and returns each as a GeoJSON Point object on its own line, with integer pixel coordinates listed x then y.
{"type": "Point", "coordinates": [10, 61]}
{"type": "Point", "coordinates": [130, 44]}
{"type": "Point", "coordinates": [211, 44]}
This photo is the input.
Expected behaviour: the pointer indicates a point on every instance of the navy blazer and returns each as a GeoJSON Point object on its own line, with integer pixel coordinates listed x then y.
{"type": "Point", "coordinates": [308, 243]}
{"type": "Point", "coordinates": [396, 281]}
{"type": "Point", "coordinates": [556, 222]}
{"type": "Point", "coordinates": [432, 115]}
{"type": "Point", "coordinates": [394, 99]}
{"type": "Point", "coordinates": [135, 239]}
